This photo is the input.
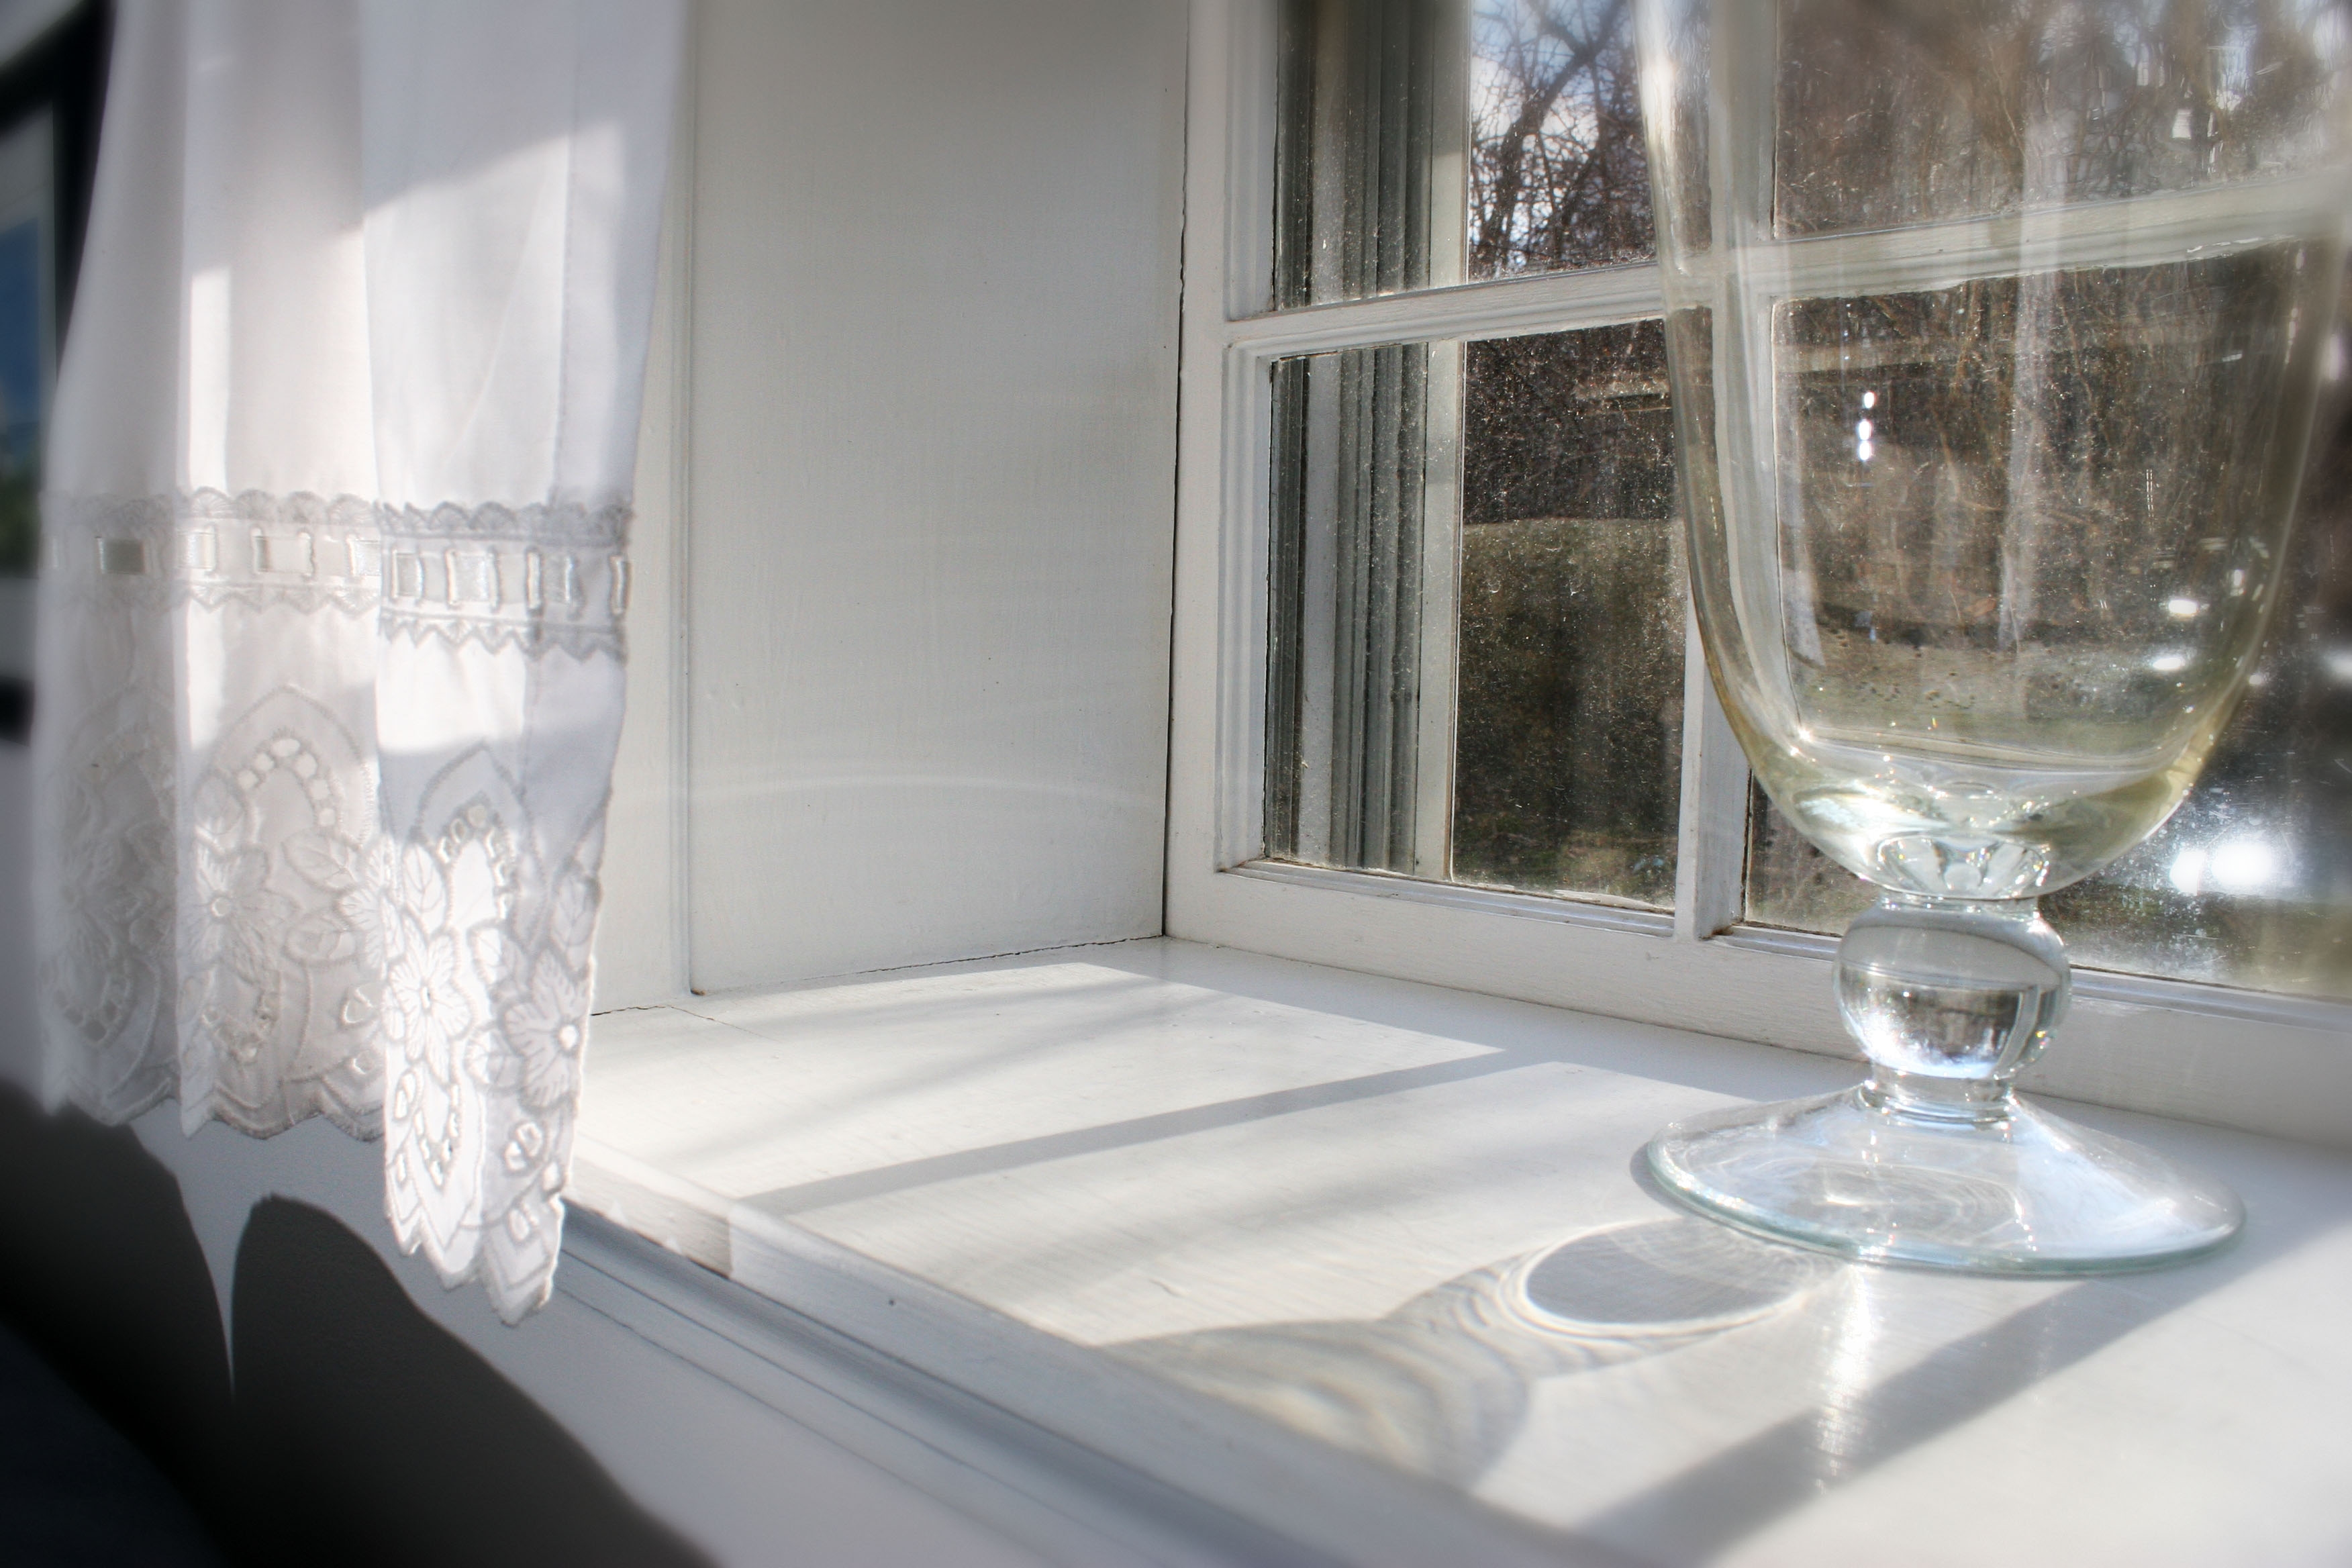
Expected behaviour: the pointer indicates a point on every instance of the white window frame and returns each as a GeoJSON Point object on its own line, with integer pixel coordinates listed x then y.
{"type": "Point", "coordinates": [2275, 1063]}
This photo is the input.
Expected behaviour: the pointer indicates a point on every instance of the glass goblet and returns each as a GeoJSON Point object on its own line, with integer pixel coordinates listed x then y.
{"type": "Point", "coordinates": [1994, 330]}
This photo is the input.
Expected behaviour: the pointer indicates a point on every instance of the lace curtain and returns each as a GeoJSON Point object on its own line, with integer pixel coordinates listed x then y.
{"type": "Point", "coordinates": [333, 585]}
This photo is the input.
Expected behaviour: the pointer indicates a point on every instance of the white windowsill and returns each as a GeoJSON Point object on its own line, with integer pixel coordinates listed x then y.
{"type": "Point", "coordinates": [1046, 1236]}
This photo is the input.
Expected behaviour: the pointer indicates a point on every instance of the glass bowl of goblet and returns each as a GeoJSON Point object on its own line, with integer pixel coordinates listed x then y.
{"type": "Point", "coordinates": [1994, 331]}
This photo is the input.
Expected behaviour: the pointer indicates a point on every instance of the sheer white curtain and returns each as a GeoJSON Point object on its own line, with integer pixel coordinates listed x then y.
{"type": "Point", "coordinates": [338, 487]}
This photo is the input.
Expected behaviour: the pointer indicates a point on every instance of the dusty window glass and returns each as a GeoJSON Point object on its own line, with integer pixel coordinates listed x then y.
{"type": "Point", "coordinates": [1476, 666]}
{"type": "Point", "coordinates": [1568, 771]}
{"type": "Point", "coordinates": [1424, 142]}
{"type": "Point", "coordinates": [2186, 93]}
{"type": "Point", "coordinates": [2250, 883]}
{"type": "Point", "coordinates": [1358, 571]}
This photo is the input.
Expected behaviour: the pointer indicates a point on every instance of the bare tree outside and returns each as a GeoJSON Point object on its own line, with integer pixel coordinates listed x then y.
{"type": "Point", "coordinates": [1558, 174]}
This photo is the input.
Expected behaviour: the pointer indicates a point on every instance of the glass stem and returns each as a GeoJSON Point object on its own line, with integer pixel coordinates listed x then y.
{"type": "Point", "coordinates": [1949, 998]}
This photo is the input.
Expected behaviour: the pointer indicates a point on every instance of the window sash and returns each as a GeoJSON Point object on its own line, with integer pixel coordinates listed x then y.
{"type": "Point", "coordinates": [2153, 1042]}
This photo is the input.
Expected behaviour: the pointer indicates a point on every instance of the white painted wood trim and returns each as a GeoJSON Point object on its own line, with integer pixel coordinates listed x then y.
{"type": "Point", "coordinates": [1069, 1505]}
{"type": "Point", "coordinates": [1061, 1186]}
{"type": "Point", "coordinates": [1080, 1456]}
{"type": "Point", "coordinates": [930, 483]}
{"type": "Point", "coordinates": [1499, 307]}
{"type": "Point", "coordinates": [643, 927]}
{"type": "Point", "coordinates": [679, 306]}
{"type": "Point", "coordinates": [2133, 231]}
{"type": "Point", "coordinates": [1711, 852]}
{"type": "Point", "coordinates": [1462, 896]}
{"type": "Point", "coordinates": [1238, 748]}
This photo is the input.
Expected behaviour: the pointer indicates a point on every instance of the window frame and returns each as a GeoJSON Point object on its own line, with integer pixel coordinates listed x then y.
{"type": "Point", "coordinates": [2208, 1052]}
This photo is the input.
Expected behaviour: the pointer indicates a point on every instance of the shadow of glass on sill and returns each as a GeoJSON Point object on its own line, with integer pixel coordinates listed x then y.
{"type": "Point", "coordinates": [1443, 1386]}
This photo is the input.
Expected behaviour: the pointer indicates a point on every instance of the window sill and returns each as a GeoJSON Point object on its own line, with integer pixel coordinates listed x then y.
{"type": "Point", "coordinates": [1174, 1252]}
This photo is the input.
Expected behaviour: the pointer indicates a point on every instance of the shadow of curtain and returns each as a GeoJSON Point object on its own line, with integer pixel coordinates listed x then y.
{"type": "Point", "coordinates": [369, 1435]}
{"type": "Point", "coordinates": [356, 1430]}
{"type": "Point", "coordinates": [102, 1275]}
{"type": "Point", "coordinates": [73, 1489]}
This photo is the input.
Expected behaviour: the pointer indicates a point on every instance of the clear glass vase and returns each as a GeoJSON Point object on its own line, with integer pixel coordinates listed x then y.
{"type": "Point", "coordinates": [1994, 331]}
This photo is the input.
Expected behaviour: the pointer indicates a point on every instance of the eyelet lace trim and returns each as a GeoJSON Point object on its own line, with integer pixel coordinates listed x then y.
{"type": "Point", "coordinates": [228, 917]}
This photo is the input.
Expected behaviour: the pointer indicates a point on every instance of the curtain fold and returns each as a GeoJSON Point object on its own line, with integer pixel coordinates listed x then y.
{"type": "Point", "coordinates": [334, 581]}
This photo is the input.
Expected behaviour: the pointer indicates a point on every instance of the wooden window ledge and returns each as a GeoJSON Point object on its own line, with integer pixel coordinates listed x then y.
{"type": "Point", "coordinates": [1159, 1252]}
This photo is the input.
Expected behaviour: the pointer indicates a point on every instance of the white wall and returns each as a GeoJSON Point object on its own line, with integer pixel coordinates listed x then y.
{"type": "Point", "coordinates": [934, 290]}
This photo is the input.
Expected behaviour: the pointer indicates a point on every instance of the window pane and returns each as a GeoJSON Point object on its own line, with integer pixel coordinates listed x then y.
{"type": "Point", "coordinates": [1569, 771]}
{"type": "Point", "coordinates": [1368, 182]}
{"type": "Point", "coordinates": [2250, 882]}
{"type": "Point", "coordinates": [2188, 95]}
{"type": "Point", "coordinates": [1424, 142]}
{"type": "Point", "coordinates": [1476, 670]}
{"type": "Point", "coordinates": [1349, 780]}
{"type": "Point", "coordinates": [1559, 176]}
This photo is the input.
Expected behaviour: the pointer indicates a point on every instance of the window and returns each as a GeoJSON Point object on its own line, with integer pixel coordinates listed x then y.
{"type": "Point", "coordinates": [1439, 711]}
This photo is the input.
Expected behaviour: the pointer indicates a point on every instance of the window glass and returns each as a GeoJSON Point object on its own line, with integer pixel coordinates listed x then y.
{"type": "Point", "coordinates": [2250, 883]}
{"type": "Point", "coordinates": [1476, 671]}
{"type": "Point", "coordinates": [1559, 176]}
{"type": "Point", "coordinates": [2189, 93]}
{"type": "Point", "coordinates": [1569, 768]}
{"type": "Point", "coordinates": [1424, 142]}
{"type": "Point", "coordinates": [1356, 766]}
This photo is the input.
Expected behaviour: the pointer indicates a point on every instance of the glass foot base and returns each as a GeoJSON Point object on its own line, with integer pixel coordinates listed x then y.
{"type": "Point", "coordinates": [2019, 1193]}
